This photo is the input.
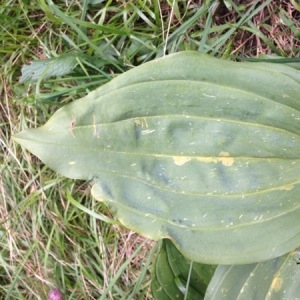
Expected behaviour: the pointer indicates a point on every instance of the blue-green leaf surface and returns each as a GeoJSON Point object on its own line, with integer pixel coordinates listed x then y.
{"type": "Point", "coordinates": [275, 279]}
{"type": "Point", "coordinates": [203, 151]}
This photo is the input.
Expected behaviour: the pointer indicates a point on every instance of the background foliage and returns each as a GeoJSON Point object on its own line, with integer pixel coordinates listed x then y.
{"type": "Point", "coordinates": [49, 238]}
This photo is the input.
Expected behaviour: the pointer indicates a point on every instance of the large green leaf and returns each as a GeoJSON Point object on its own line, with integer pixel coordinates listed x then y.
{"type": "Point", "coordinates": [188, 147]}
{"type": "Point", "coordinates": [274, 279]}
{"type": "Point", "coordinates": [175, 277]}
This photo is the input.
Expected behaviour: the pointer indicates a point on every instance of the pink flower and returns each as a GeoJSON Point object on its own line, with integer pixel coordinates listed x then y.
{"type": "Point", "coordinates": [55, 294]}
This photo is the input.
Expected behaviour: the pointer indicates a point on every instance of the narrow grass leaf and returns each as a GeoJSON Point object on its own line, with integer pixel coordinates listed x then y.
{"type": "Point", "coordinates": [88, 211]}
{"type": "Point", "coordinates": [113, 280]}
{"type": "Point", "coordinates": [146, 266]}
{"type": "Point", "coordinates": [19, 269]}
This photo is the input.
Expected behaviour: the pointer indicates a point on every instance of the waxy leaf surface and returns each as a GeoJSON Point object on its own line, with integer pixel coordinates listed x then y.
{"type": "Point", "coordinates": [275, 279]}
{"type": "Point", "coordinates": [200, 150]}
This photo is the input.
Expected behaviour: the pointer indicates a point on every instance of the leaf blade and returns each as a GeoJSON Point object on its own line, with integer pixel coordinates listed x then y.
{"type": "Point", "coordinates": [171, 273]}
{"type": "Point", "coordinates": [202, 153]}
{"type": "Point", "coordinates": [273, 279]}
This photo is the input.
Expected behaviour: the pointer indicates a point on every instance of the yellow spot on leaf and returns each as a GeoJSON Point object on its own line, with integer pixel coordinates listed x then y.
{"type": "Point", "coordinates": [287, 187]}
{"type": "Point", "coordinates": [142, 122]}
{"type": "Point", "coordinates": [223, 153]}
{"type": "Point", "coordinates": [225, 158]}
{"type": "Point", "coordinates": [72, 162]}
{"type": "Point", "coordinates": [181, 160]}
{"type": "Point", "coordinates": [208, 159]}
{"type": "Point", "coordinates": [277, 284]}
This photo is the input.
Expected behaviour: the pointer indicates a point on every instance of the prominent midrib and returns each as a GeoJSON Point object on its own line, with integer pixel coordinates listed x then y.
{"type": "Point", "coordinates": [160, 155]}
